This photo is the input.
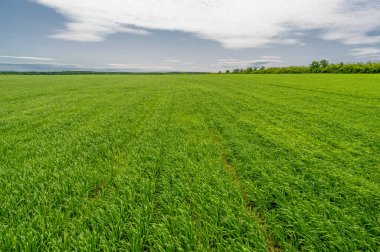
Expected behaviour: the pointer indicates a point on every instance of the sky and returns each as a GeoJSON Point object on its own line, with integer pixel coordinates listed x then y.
{"type": "Point", "coordinates": [184, 35]}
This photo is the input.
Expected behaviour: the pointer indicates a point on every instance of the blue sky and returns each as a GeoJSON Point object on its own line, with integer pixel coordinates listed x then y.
{"type": "Point", "coordinates": [179, 35]}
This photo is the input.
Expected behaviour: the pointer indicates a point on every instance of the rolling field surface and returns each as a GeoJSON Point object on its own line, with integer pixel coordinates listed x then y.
{"type": "Point", "coordinates": [190, 163]}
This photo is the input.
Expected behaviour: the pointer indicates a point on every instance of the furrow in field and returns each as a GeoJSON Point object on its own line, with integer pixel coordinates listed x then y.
{"type": "Point", "coordinates": [194, 209]}
{"type": "Point", "coordinates": [91, 179]}
{"type": "Point", "coordinates": [272, 246]}
{"type": "Point", "coordinates": [230, 126]}
{"type": "Point", "coordinates": [255, 114]}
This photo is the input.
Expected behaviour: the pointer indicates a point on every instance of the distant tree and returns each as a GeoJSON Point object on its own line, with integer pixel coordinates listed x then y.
{"type": "Point", "coordinates": [228, 71]}
{"type": "Point", "coordinates": [323, 63]}
{"type": "Point", "coordinates": [315, 65]}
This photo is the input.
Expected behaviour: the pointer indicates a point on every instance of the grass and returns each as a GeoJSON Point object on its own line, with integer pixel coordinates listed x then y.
{"type": "Point", "coordinates": [193, 163]}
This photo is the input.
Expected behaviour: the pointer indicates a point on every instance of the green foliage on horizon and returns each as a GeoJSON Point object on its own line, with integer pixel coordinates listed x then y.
{"type": "Point", "coordinates": [322, 66]}
{"type": "Point", "coordinates": [190, 163]}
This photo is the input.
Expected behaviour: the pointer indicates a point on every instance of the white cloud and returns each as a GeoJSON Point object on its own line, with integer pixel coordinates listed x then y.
{"type": "Point", "coordinates": [171, 61]}
{"type": "Point", "coordinates": [37, 66]}
{"type": "Point", "coordinates": [139, 67]}
{"type": "Point", "coordinates": [43, 64]}
{"type": "Point", "coordinates": [238, 63]}
{"type": "Point", "coordinates": [270, 57]}
{"type": "Point", "coordinates": [26, 58]}
{"type": "Point", "coordinates": [366, 52]}
{"type": "Point", "coordinates": [234, 23]}
{"type": "Point", "coordinates": [167, 65]}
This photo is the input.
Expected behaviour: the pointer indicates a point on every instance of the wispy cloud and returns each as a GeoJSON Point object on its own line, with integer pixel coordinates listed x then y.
{"type": "Point", "coordinates": [12, 66]}
{"type": "Point", "coordinates": [235, 24]}
{"type": "Point", "coordinates": [271, 57]}
{"type": "Point", "coordinates": [163, 66]}
{"type": "Point", "coordinates": [172, 61]}
{"type": "Point", "coordinates": [25, 58]}
{"type": "Point", "coordinates": [139, 67]}
{"type": "Point", "coordinates": [366, 52]}
{"type": "Point", "coordinates": [238, 63]}
{"type": "Point", "coordinates": [166, 65]}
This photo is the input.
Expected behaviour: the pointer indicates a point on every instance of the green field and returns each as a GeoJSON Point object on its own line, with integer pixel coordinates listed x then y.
{"type": "Point", "coordinates": [190, 162]}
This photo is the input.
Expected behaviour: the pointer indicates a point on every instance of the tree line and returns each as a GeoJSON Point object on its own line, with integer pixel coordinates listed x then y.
{"type": "Point", "coordinates": [322, 66]}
